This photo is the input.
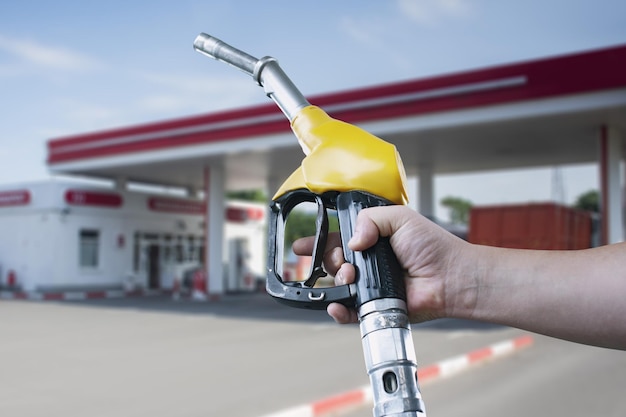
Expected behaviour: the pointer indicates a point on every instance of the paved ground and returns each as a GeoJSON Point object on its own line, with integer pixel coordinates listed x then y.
{"type": "Point", "coordinates": [243, 356]}
{"type": "Point", "coordinates": [551, 378]}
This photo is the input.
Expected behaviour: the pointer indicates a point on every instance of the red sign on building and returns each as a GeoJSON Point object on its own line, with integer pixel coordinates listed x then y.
{"type": "Point", "coordinates": [14, 198]}
{"type": "Point", "coordinates": [243, 214]}
{"type": "Point", "coordinates": [174, 205]}
{"type": "Point", "coordinates": [92, 198]}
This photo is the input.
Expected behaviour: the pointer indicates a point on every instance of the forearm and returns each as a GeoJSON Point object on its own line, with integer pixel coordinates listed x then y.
{"type": "Point", "coordinates": [573, 295]}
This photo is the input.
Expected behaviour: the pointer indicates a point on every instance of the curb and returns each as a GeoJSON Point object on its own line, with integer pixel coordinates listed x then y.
{"type": "Point", "coordinates": [363, 395]}
{"type": "Point", "coordinates": [75, 295]}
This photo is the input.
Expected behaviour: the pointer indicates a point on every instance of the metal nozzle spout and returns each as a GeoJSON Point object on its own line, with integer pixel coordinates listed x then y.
{"type": "Point", "coordinates": [265, 71]}
{"type": "Point", "coordinates": [215, 48]}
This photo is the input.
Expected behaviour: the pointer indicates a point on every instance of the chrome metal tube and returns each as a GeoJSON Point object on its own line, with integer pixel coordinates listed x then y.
{"type": "Point", "coordinates": [390, 358]}
{"type": "Point", "coordinates": [264, 71]}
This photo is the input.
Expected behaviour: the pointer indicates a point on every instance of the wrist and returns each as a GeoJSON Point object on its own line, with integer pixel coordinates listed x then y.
{"type": "Point", "coordinates": [469, 266]}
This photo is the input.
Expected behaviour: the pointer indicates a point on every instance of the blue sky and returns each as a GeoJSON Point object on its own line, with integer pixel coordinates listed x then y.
{"type": "Point", "coordinates": [70, 67]}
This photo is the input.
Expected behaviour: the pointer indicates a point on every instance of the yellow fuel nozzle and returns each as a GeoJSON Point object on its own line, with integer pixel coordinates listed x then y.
{"type": "Point", "coordinates": [339, 156]}
{"type": "Point", "coordinates": [342, 157]}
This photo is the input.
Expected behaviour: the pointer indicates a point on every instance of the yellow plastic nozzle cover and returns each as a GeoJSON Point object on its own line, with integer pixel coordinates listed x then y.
{"type": "Point", "coordinates": [342, 157]}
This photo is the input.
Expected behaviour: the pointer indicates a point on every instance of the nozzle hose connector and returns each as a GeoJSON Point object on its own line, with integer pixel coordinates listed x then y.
{"type": "Point", "coordinates": [264, 71]}
{"type": "Point", "coordinates": [390, 358]}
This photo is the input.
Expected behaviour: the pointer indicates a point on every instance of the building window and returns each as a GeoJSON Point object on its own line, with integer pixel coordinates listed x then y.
{"type": "Point", "coordinates": [88, 248]}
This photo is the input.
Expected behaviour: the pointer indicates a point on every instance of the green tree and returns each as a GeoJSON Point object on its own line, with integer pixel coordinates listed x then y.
{"type": "Point", "coordinates": [589, 201]}
{"type": "Point", "coordinates": [302, 223]}
{"type": "Point", "coordinates": [247, 195]}
{"type": "Point", "coordinates": [459, 209]}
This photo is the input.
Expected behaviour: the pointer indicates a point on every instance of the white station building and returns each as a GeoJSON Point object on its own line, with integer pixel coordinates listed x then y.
{"type": "Point", "coordinates": [561, 110]}
{"type": "Point", "coordinates": [69, 236]}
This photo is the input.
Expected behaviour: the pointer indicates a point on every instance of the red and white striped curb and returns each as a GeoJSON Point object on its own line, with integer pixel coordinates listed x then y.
{"type": "Point", "coordinates": [75, 295]}
{"type": "Point", "coordinates": [363, 396]}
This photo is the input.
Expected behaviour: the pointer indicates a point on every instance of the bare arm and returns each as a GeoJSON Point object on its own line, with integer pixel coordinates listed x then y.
{"type": "Point", "coordinates": [574, 295]}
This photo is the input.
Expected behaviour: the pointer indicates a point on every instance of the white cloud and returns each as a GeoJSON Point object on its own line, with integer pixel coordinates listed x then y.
{"type": "Point", "coordinates": [177, 82]}
{"type": "Point", "coordinates": [89, 114]}
{"type": "Point", "coordinates": [163, 103]}
{"type": "Point", "coordinates": [373, 35]}
{"type": "Point", "coordinates": [47, 56]}
{"type": "Point", "coordinates": [73, 115]}
{"type": "Point", "coordinates": [455, 7]}
{"type": "Point", "coordinates": [204, 84]}
{"type": "Point", "coordinates": [359, 32]}
{"type": "Point", "coordinates": [432, 11]}
{"type": "Point", "coordinates": [9, 70]}
{"type": "Point", "coordinates": [192, 93]}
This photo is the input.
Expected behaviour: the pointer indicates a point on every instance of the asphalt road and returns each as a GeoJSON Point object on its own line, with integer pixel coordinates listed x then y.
{"type": "Point", "coordinates": [249, 356]}
{"type": "Point", "coordinates": [551, 378]}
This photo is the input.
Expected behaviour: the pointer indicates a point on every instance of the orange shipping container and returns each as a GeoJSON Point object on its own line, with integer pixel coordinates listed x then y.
{"type": "Point", "coordinates": [531, 226]}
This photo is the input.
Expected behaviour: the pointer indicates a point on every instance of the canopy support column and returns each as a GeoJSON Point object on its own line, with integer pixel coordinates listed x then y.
{"type": "Point", "coordinates": [215, 220]}
{"type": "Point", "coordinates": [426, 194]}
{"type": "Point", "coordinates": [611, 206]}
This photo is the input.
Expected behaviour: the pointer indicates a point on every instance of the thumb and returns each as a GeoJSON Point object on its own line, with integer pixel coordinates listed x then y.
{"type": "Point", "coordinates": [372, 223]}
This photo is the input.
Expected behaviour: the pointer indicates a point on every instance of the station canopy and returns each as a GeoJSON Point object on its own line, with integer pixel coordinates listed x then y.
{"type": "Point", "coordinates": [535, 113]}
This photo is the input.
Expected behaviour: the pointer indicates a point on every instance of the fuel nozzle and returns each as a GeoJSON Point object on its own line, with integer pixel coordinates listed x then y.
{"type": "Point", "coordinates": [340, 156]}
{"type": "Point", "coordinates": [345, 169]}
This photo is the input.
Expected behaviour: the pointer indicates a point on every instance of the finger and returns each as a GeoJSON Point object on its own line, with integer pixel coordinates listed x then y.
{"type": "Point", "coordinates": [345, 274]}
{"type": "Point", "coordinates": [374, 222]}
{"type": "Point", "coordinates": [365, 232]}
{"type": "Point", "coordinates": [304, 246]}
{"type": "Point", "coordinates": [341, 314]}
{"type": "Point", "coordinates": [333, 259]}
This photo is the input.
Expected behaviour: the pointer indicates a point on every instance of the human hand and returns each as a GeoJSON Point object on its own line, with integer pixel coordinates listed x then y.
{"type": "Point", "coordinates": [431, 257]}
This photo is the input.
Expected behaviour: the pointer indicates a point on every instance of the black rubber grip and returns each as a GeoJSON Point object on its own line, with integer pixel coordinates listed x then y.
{"type": "Point", "coordinates": [378, 272]}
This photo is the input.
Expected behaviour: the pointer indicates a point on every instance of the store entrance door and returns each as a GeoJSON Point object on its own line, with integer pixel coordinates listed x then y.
{"type": "Point", "coordinates": [154, 273]}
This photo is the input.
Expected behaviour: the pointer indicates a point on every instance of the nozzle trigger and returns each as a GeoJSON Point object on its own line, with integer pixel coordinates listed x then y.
{"type": "Point", "coordinates": [321, 235]}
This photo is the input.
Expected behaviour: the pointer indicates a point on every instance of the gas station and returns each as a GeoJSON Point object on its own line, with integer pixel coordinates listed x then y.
{"type": "Point", "coordinates": [568, 109]}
